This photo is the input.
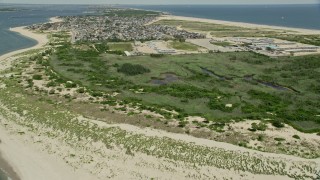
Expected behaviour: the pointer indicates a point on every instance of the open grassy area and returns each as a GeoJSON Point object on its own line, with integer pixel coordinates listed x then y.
{"type": "Point", "coordinates": [183, 46]}
{"type": "Point", "coordinates": [305, 39]}
{"type": "Point", "coordinates": [121, 46]}
{"type": "Point", "coordinates": [257, 87]}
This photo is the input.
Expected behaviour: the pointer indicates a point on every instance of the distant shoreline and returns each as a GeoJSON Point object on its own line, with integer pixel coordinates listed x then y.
{"type": "Point", "coordinates": [234, 23]}
{"type": "Point", "coordinates": [241, 24]}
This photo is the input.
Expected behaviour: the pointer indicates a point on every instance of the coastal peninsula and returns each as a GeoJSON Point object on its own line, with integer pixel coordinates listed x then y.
{"type": "Point", "coordinates": [134, 94]}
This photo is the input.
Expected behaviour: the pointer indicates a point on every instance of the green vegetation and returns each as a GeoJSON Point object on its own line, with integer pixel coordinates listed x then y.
{"type": "Point", "coordinates": [305, 39]}
{"type": "Point", "coordinates": [121, 46]}
{"type": "Point", "coordinates": [130, 13]}
{"type": "Point", "coordinates": [183, 46]}
{"type": "Point", "coordinates": [203, 84]}
{"type": "Point", "coordinates": [55, 121]}
{"type": "Point", "coordinates": [7, 9]}
{"type": "Point", "coordinates": [219, 30]}
{"type": "Point", "coordinates": [296, 136]}
{"type": "Point", "coordinates": [157, 55]}
{"type": "Point", "coordinates": [277, 124]}
{"type": "Point", "coordinates": [132, 69]}
{"type": "Point", "coordinates": [258, 127]}
{"type": "Point", "coordinates": [279, 139]}
{"type": "Point", "coordinates": [37, 77]}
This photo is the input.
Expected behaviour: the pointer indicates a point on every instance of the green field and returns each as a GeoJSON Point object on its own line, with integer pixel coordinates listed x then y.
{"type": "Point", "coordinates": [258, 87]}
{"type": "Point", "coordinates": [121, 46]}
{"type": "Point", "coordinates": [183, 46]}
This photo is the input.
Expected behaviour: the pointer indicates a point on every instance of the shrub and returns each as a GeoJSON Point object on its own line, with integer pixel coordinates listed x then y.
{"type": "Point", "coordinates": [67, 96]}
{"type": "Point", "coordinates": [216, 105]}
{"type": "Point", "coordinates": [296, 136]}
{"type": "Point", "coordinates": [184, 100]}
{"type": "Point", "coordinates": [279, 139]}
{"type": "Point", "coordinates": [242, 144]}
{"type": "Point", "coordinates": [37, 77]}
{"type": "Point", "coordinates": [260, 137]}
{"type": "Point", "coordinates": [182, 124]}
{"type": "Point", "coordinates": [51, 84]}
{"type": "Point", "coordinates": [278, 124]}
{"type": "Point", "coordinates": [80, 90]}
{"type": "Point", "coordinates": [156, 55]}
{"type": "Point", "coordinates": [260, 127]}
{"type": "Point", "coordinates": [71, 85]}
{"type": "Point", "coordinates": [116, 52]}
{"type": "Point", "coordinates": [132, 69]}
{"type": "Point", "coordinates": [52, 91]}
{"type": "Point", "coordinates": [97, 94]}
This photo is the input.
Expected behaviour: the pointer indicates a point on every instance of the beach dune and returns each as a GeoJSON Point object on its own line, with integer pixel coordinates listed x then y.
{"type": "Point", "coordinates": [27, 162]}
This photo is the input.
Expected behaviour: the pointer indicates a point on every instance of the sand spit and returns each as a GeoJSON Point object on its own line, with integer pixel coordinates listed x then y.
{"type": "Point", "coordinates": [240, 24]}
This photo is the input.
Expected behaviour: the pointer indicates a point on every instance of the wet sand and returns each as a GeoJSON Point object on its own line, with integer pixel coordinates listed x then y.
{"type": "Point", "coordinates": [7, 170]}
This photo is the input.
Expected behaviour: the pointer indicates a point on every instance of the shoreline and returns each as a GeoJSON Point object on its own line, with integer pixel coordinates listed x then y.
{"type": "Point", "coordinates": [40, 38]}
{"type": "Point", "coordinates": [6, 164]}
{"type": "Point", "coordinates": [18, 158]}
{"type": "Point", "coordinates": [7, 170]}
{"type": "Point", "coordinates": [241, 24]}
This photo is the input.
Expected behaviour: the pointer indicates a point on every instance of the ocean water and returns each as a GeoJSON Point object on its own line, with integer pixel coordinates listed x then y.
{"type": "Point", "coordinates": [3, 176]}
{"type": "Point", "coordinates": [27, 15]}
{"type": "Point", "coordinates": [298, 16]}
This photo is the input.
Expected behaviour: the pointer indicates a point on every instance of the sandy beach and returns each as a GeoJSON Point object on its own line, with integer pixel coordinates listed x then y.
{"type": "Point", "coordinates": [40, 38]}
{"type": "Point", "coordinates": [240, 24]}
{"type": "Point", "coordinates": [23, 161]}
{"type": "Point", "coordinates": [8, 156]}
